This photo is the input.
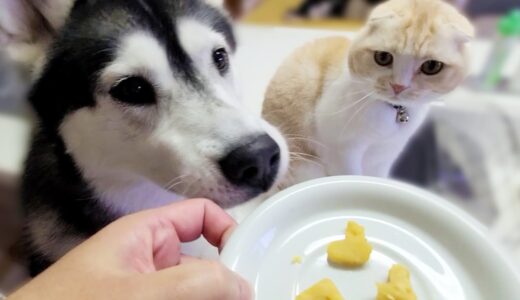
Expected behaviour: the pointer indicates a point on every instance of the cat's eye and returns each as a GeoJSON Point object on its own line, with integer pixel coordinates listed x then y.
{"type": "Point", "coordinates": [383, 58]}
{"type": "Point", "coordinates": [134, 90]}
{"type": "Point", "coordinates": [221, 60]}
{"type": "Point", "coordinates": [432, 67]}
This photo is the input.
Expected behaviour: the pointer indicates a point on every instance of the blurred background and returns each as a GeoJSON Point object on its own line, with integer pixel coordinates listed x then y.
{"type": "Point", "coordinates": [468, 151]}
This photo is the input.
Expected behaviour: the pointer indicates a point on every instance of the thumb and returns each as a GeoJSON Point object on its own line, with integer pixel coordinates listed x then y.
{"type": "Point", "coordinates": [197, 280]}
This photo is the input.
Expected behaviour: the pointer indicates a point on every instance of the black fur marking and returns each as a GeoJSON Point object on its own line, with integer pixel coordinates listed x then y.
{"type": "Point", "coordinates": [159, 21]}
{"type": "Point", "coordinates": [52, 182]}
{"type": "Point", "coordinates": [38, 264]}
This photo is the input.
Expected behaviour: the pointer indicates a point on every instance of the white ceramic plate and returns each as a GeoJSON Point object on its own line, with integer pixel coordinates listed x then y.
{"type": "Point", "coordinates": [449, 254]}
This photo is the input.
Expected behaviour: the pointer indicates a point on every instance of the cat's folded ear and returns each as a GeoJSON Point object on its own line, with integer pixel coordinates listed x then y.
{"type": "Point", "coordinates": [463, 29]}
{"type": "Point", "coordinates": [27, 26]}
{"type": "Point", "coordinates": [456, 24]}
{"type": "Point", "coordinates": [380, 14]}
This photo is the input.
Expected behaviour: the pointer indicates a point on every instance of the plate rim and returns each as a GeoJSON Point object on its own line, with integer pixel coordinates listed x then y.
{"type": "Point", "coordinates": [233, 245]}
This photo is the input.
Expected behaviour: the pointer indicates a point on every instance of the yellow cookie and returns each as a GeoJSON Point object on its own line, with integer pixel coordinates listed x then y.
{"type": "Point", "coordinates": [323, 290]}
{"type": "Point", "coordinates": [353, 251]}
{"type": "Point", "coordinates": [398, 286]}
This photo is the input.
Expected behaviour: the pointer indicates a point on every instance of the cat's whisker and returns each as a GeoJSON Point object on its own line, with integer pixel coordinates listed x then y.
{"type": "Point", "coordinates": [354, 115]}
{"type": "Point", "coordinates": [350, 105]}
{"type": "Point", "coordinates": [355, 92]}
{"type": "Point", "coordinates": [360, 80]}
{"type": "Point", "coordinates": [356, 102]}
{"type": "Point", "coordinates": [301, 138]}
{"type": "Point", "coordinates": [361, 107]}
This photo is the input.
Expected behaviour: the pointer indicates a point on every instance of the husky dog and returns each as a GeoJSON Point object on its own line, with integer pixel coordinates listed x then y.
{"type": "Point", "coordinates": [138, 107]}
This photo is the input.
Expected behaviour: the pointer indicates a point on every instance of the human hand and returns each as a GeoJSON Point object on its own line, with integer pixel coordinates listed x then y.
{"type": "Point", "coordinates": [139, 257]}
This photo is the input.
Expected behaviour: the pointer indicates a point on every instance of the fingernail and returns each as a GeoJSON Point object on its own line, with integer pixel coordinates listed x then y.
{"type": "Point", "coordinates": [246, 293]}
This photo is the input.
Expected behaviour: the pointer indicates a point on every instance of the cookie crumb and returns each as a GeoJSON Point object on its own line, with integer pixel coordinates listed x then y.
{"type": "Point", "coordinates": [297, 260]}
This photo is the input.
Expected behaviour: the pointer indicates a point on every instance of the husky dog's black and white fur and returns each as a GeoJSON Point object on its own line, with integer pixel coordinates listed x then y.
{"type": "Point", "coordinates": [138, 107]}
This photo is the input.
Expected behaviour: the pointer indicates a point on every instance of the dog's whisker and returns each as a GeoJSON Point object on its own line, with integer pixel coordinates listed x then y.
{"type": "Point", "coordinates": [300, 158]}
{"type": "Point", "coordinates": [196, 191]}
{"type": "Point", "coordinates": [188, 186]}
{"type": "Point", "coordinates": [170, 187]}
{"type": "Point", "coordinates": [175, 181]}
{"type": "Point", "coordinates": [295, 156]}
{"type": "Point", "coordinates": [304, 155]}
{"type": "Point", "coordinates": [177, 178]}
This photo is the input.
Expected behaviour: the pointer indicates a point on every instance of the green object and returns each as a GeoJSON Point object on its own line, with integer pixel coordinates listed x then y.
{"type": "Point", "coordinates": [509, 29]}
{"type": "Point", "coordinates": [509, 25]}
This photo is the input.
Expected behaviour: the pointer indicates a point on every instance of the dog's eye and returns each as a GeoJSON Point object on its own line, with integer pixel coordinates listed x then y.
{"type": "Point", "coordinates": [134, 90]}
{"type": "Point", "coordinates": [383, 58]}
{"type": "Point", "coordinates": [432, 67]}
{"type": "Point", "coordinates": [221, 60]}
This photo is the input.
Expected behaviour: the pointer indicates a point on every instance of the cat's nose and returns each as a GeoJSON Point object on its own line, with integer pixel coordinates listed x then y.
{"type": "Point", "coordinates": [398, 88]}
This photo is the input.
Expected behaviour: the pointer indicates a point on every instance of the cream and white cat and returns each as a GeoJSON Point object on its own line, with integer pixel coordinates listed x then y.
{"type": "Point", "coordinates": [349, 107]}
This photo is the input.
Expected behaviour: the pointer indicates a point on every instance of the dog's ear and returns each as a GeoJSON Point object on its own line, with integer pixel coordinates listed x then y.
{"type": "Point", "coordinates": [28, 26]}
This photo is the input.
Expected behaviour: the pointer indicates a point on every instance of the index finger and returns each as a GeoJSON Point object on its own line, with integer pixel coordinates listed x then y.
{"type": "Point", "coordinates": [185, 221]}
{"type": "Point", "coordinates": [193, 218]}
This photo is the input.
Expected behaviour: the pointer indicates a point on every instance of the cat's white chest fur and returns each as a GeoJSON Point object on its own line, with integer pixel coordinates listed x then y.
{"type": "Point", "coordinates": [359, 132]}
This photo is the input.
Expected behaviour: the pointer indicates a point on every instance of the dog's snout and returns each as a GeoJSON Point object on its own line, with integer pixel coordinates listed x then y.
{"type": "Point", "coordinates": [254, 164]}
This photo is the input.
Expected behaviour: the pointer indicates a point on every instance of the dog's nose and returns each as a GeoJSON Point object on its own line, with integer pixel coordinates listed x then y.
{"type": "Point", "coordinates": [254, 164]}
